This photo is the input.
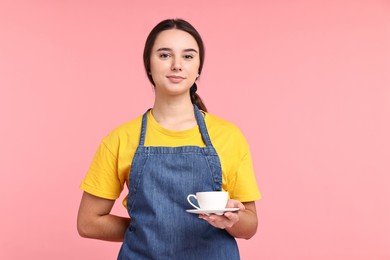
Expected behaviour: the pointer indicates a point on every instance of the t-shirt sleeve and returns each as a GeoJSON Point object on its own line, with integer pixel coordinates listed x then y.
{"type": "Point", "coordinates": [245, 185]}
{"type": "Point", "coordinates": [102, 177]}
{"type": "Point", "coordinates": [242, 183]}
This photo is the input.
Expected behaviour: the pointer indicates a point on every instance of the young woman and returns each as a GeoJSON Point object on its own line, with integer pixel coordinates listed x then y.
{"type": "Point", "coordinates": [174, 149]}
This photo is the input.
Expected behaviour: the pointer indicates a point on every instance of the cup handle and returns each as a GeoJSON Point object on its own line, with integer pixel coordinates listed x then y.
{"type": "Point", "coordinates": [189, 200]}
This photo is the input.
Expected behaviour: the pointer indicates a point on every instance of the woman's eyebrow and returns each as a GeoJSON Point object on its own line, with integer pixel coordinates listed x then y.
{"type": "Point", "coordinates": [185, 50]}
{"type": "Point", "coordinates": [189, 50]}
{"type": "Point", "coordinates": [164, 49]}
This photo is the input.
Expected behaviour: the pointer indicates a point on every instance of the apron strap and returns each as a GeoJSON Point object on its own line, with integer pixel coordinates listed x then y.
{"type": "Point", "coordinates": [143, 128]}
{"type": "Point", "coordinates": [202, 126]}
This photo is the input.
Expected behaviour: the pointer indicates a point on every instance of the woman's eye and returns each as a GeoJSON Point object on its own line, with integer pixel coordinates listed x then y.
{"type": "Point", "coordinates": [188, 57]}
{"type": "Point", "coordinates": [164, 55]}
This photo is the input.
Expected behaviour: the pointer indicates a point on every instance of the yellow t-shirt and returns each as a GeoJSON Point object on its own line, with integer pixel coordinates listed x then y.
{"type": "Point", "coordinates": [110, 168]}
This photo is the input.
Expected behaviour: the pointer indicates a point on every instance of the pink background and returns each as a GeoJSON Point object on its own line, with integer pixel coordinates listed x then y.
{"type": "Point", "coordinates": [308, 82]}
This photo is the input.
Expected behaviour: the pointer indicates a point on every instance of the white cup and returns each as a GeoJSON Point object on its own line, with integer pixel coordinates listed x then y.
{"type": "Point", "coordinates": [209, 200]}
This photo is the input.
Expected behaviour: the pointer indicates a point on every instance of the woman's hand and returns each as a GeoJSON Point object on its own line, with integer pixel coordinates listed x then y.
{"type": "Point", "coordinates": [240, 224]}
{"type": "Point", "coordinates": [228, 219]}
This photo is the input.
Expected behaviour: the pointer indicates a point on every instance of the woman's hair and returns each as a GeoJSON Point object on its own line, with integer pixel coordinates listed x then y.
{"type": "Point", "coordinates": [185, 26]}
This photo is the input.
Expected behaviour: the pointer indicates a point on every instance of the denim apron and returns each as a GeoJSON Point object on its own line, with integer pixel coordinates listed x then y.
{"type": "Point", "coordinates": [160, 180]}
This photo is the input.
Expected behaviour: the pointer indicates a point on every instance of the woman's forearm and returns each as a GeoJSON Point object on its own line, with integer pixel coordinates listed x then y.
{"type": "Point", "coordinates": [246, 227]}
{"type": "Point", "coordinates": [95, 221]}
{"type": "Point", "coordinates": [107, 227]}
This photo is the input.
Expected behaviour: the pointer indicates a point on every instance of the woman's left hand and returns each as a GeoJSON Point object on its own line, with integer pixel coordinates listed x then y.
{"type": "Point", "coordinates": [228, 219]}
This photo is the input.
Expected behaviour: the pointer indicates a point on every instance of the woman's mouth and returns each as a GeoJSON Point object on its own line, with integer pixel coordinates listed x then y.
{"type": "Point", "coordinates": [175, 79]}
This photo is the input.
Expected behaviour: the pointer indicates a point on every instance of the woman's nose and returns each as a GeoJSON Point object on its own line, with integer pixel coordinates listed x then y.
{"type": "Point", "coordinates": [176, 65]}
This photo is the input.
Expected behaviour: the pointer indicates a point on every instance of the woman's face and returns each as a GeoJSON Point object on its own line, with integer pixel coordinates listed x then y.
{"type": "Point", "coordinates": [174, 62]}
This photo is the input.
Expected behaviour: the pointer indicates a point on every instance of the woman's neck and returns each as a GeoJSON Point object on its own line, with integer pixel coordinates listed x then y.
{"type": "Point", "coordinates": [176, 116]}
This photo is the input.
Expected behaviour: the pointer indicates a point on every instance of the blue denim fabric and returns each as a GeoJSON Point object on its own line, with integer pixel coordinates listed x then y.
{"type": "Point", "coordinates": [160, 180]}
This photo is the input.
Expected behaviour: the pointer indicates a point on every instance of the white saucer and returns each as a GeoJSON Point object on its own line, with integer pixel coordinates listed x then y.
{"type": "Point", "coordinates": [211, 211]}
